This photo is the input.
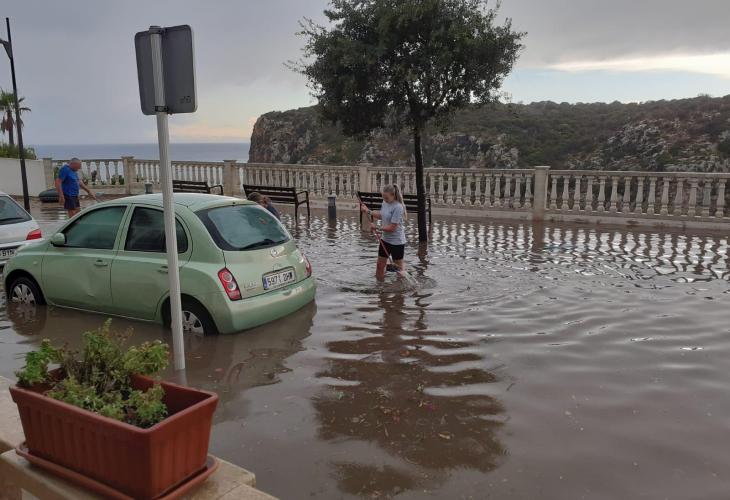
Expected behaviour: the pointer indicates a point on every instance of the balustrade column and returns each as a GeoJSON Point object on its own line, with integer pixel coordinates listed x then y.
{"type": "Point", "coordinates": [450, 190]}
{"type": "Point", "coordinates": [564, 201]}
{"type": "Point", "coordinates": [652, 196]}
{"type": "Point", "coordinates": [478, 190]}
{"type": "Point", "coordinates": [528, 191]}
{"type": "Point", "coordinates": [554, 193]}
{"type": "Point", "coordinates": [707, 196]}
{"type": "Point", "coordinates": [613, 208]}
{"type": "Point", "coordinates": [601, 206]}
{"type": "Point", "coordinates": [488, 191]}
{"type": "Point", "coordinates": [230, 178]}
{"type": "Point", "coordinates": [664, 206]}
{"type": "Point", "coordinates": [459, 195]}
{"type": "Point", "coordinates": [639, 203]}
{"type": "Point", "coordinates": [589, 194]}
{"type": "Point", "coordinates": [431, 187]}
{"type": "Point", "coordinates": [517, 197]}
{"type": "Point", "coordinates": [442, 190]}
{"type": "Point", "coordinates": [467, 193]}
{"type": "Point", "coordinates": [626, 198]}
{"type": "Point", "coordinates": [720, 206]}
{"type": "Point", "coordinates": [691, 206]}
{"type": "Point", "coordinates": [128, 172]}
{"type": "Point", "coordinates": [679, 198]}
{"type": "Point", "coordinates": [497, 191]}
{"type": "Point", "coordinates": [507, 190]}
{"type": "Point", "coordinates": [576, 194]}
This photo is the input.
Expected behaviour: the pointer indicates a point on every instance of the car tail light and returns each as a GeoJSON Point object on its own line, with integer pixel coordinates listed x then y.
{"type": "Point", "coordinates": [308, 266]}
{"type": "Point", "coordinates": [34, 235]}
{"type": "Point", "coordinates": [229, 284]}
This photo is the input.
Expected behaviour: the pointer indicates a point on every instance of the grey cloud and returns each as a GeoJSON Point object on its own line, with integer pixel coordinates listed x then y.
{"type": "Point", "coordinates": [565, 30]}
{"type": "Point", "coordinates": [76, 65]}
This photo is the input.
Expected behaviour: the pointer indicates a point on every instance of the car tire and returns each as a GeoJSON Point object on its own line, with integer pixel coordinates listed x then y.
{"type": "Point", "coordinates": [24, 290]}
{"type": "Point", "coordinates": [196, 319]}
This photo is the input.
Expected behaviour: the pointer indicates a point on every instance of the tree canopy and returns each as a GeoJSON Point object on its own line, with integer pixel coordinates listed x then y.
{"type": "Point", "coordinates": [404, 63]}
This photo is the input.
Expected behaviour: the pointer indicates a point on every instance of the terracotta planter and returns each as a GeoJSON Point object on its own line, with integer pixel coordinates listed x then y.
{"type": "Point", "coordinates": [140, 463]}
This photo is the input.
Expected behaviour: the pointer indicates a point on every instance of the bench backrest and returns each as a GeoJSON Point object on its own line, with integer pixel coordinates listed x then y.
{"type": "Point", "coordinates": [374, 200]}
{"type": "Point", "coordinates": [275, 193]}
{"type": "Point", "coordinates": [190, 187]}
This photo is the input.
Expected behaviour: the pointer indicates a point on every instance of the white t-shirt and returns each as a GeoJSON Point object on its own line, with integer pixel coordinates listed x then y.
{"type": "Point", "coordinates": [393, 213]}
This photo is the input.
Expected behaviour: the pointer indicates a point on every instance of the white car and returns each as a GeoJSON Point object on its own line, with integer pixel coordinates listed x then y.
{"type": "Point", "coordinates": [16, 228]}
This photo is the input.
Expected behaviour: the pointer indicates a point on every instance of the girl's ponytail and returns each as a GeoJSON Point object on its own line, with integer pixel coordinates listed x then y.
{"type": "Point", "coordinates": [399, 197]}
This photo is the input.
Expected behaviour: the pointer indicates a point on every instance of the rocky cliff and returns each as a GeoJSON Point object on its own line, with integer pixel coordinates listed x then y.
{"type": "Point", "coordinates": [686, 134]}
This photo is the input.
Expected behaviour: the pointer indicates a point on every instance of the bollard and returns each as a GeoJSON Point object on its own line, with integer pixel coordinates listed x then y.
{"type": "Point", "coordinates": [147, 188]}
{"type": "Point", "coordinates": [331, 207]}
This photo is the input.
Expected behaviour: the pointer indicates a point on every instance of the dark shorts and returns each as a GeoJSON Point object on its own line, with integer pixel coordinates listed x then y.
{"type": "Point", "coordinates": [395, 251]}
{"type": "Point", "coordinates": [71, 202]}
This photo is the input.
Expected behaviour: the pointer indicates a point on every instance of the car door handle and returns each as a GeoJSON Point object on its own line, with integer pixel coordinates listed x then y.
{"type": "Point", "coordinates": [101, 263]}
{"type": "Point", "coordinates": [162, 269]}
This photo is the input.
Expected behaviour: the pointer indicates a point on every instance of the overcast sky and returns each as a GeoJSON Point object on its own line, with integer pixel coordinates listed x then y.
{"type": "Point", "coordinates": [76, 66]}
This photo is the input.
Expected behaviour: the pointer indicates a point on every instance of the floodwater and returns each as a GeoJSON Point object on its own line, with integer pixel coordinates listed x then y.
{"type": "Point", "coordinates": [551, 362]}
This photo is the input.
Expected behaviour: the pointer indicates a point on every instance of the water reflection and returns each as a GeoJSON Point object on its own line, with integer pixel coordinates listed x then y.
{"type": "Point", "coordinates": [420, 394]}
{"type": "Point", "coordinates": [631, 253]}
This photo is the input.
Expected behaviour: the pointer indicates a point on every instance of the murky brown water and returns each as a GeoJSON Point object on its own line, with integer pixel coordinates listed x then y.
{"type": "Point", "coordinates": [529, 362]}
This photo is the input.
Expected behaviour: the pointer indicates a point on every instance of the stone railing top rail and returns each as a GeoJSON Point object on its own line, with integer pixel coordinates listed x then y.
{"type": "Point", "coordinates": [635, 173]}
{"type": "Point", "coordinates": [381, 168]}
{"type": "Point", "coordinates": [85, 160]}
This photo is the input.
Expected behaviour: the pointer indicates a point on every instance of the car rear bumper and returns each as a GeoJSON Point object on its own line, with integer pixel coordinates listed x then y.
{"type": "Point", "coordinates": [5, 247]}
{"type": "Point", "coordinates": [234, 316]}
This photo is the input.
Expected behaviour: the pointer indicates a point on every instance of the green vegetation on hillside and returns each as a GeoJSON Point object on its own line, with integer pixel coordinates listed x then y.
{"type": "Point", "coordinates": [658, 135]}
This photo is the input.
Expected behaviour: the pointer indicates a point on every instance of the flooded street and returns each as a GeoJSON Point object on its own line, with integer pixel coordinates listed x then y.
{"type": "Point", "coordinates": [552, 362]}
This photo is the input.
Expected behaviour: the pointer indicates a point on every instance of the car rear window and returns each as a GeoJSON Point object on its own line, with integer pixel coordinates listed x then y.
{"type": "Point", "coordinates": [11, 212]}
{"type": "Point", "coordinates": [243, 227]}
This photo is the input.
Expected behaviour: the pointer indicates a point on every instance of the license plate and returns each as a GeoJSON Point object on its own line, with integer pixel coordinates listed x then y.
{"type": "Point", "coordinates": [7, 253]}
{"type": "Point", "coordinates": [278, 279]}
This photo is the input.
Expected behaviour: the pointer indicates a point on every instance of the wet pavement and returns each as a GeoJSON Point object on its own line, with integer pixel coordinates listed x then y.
{"type": "Point", "coordinates": [528, 361]}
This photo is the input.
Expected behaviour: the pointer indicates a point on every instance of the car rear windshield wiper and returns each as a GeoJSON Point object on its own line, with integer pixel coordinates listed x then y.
{"type": "Point", "coordinates": [263, 243]}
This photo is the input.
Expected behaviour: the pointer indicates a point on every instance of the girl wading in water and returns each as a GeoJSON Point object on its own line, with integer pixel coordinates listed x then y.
{"type": "Point", "coordinates": [393, 242]}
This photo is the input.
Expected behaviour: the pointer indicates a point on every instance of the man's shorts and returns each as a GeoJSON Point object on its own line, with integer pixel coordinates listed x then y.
{"type": "Point", "coordinates": [71, 202]}
{"type": "Point", "coordinates": [395, 251]}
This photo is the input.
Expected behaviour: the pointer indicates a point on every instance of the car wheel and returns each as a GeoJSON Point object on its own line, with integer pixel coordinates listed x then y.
{"type": "Point", "coordinates": [24, 290]}
{"type": "Point", "coordinates": [195, 319]}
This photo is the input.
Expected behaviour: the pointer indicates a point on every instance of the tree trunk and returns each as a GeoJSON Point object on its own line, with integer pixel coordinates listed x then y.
{"type": "Point", "coordinates": [11, 138]}
{"type": "Point", "coordinates": [420, 186]}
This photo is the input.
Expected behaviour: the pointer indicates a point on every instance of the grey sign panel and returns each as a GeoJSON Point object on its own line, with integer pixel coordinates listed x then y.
{"type": "Point", "coordinates": [178, 70]}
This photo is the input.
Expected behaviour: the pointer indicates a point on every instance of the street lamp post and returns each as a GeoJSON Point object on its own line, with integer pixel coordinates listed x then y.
{"type": "Point", "coordinates": [8, 44]}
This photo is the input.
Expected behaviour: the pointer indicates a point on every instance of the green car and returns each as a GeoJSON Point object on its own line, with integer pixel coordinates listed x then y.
{"type": "Point", "coordinates": [239, 267]}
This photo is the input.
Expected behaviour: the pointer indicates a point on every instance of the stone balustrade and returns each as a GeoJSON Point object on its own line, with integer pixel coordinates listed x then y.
{"type": "Point", "coordinates": [671, 195]}
{"type": "Point", "coordinates": [605, 197]}
{"type": "Point", "coordinates": [108, 170]}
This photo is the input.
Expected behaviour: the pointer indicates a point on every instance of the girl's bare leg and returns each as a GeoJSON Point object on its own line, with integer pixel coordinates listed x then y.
{"type": "Point", "coordinates": [380, 269]}
{"type": "Point", "coordinates": [400, 264]}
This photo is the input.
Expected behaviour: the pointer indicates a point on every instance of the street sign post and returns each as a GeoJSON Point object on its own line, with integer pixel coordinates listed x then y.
{"type": "Point", "coordinates": [166, 73]}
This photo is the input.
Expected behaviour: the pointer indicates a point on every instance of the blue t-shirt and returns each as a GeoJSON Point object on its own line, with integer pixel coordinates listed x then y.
{"type": "Point", "coordinates": [69, 181]}
{"type": "Point", "coordinates": [273, 211]}
{"type": "Point", "coordinates": [393, 213]}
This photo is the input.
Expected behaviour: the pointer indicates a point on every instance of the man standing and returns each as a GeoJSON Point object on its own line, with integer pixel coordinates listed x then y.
{"type": "Point", "coordinates": [68, 184]}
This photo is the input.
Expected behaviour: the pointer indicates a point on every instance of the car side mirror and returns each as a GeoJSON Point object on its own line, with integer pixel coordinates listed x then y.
{"type": "Point", "coordinates": [58, 240]}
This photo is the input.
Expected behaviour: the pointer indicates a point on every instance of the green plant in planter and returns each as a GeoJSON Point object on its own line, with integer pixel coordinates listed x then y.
{"type": "Point", "coordinates": [98, 378]}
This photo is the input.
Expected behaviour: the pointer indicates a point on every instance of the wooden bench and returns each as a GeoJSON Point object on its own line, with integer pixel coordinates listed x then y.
{"type": "Point", "coordinates": [194, 187]}
{"type": "Point", "coordinates": [284, 195]}
{"type": "Point", "coordinates": [374, 200]}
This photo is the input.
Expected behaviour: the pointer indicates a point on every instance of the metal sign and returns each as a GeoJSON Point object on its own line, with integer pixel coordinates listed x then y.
{"type": "Point", "coordinates": [178, 69]}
